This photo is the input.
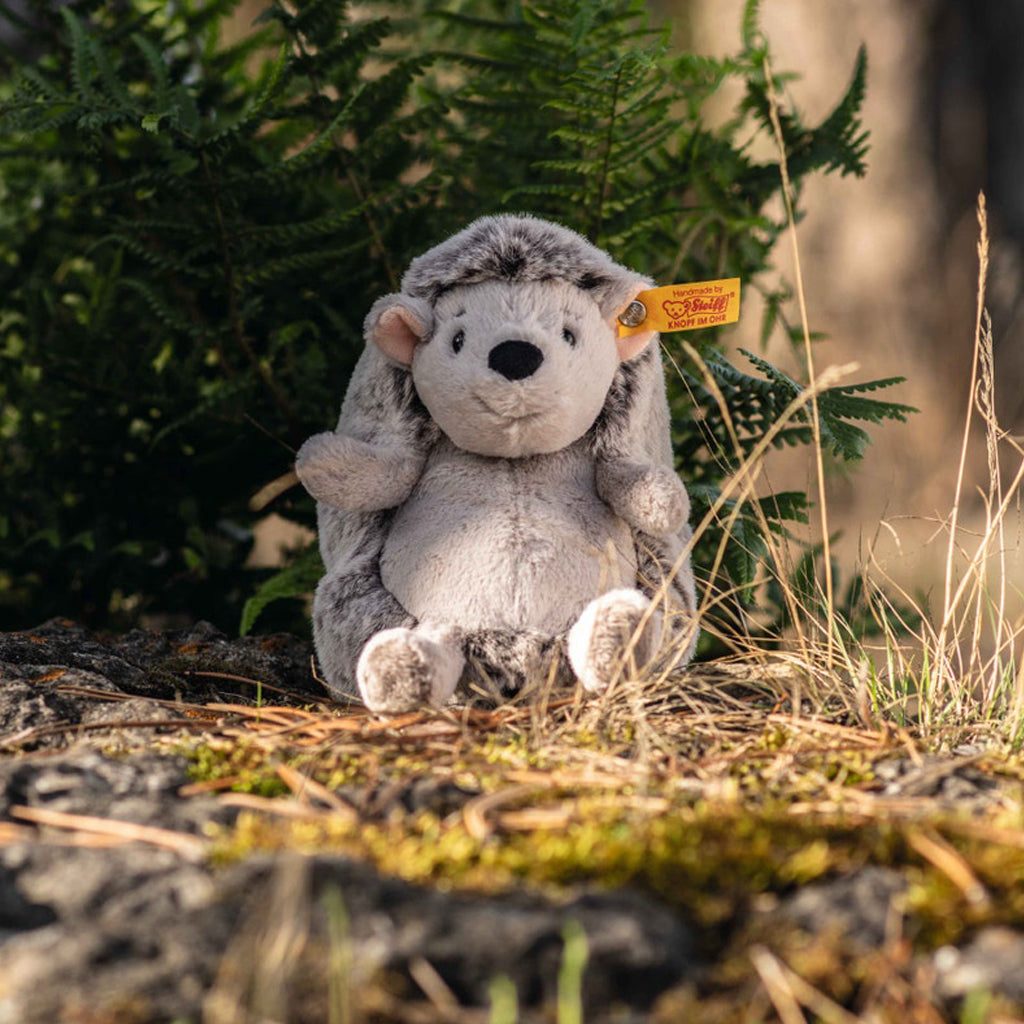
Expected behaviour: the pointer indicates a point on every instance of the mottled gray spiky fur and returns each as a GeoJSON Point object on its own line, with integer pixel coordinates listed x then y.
{"type": "Point", "coordinates": [381, 406]}
{"type": "Point", "coordinates": [517, 250]}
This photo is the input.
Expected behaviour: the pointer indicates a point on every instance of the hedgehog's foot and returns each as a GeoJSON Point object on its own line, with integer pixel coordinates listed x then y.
{"type": "Point", "coordinates": [403, 669]}
{"type": "Point", "coordinates": [618, 633]}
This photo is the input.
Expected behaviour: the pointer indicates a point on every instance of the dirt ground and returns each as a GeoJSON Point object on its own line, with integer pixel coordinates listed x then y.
{"type": "Point", "coordinates": [191, 832]}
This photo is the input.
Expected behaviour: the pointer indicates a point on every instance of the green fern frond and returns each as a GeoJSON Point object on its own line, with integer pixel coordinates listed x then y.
{"type": "Point", "coordinates": [296, 580]}
{"type": "Point", "coordinates": [341, 61]}
{"type": "Point", "coordinates": [302, 262]}
{"type": "Point", "coordinates": [216, 398]}
{"type": "Point", "coordinates": [839, 143]}
{"type": "Point", "coordinates": [116, 90]}
{"type": "Point", "coordinates": [844, 401]}
{"type": "Point", "coordinates": [82, 56]}
{"type": "Point", "coordinates": [270, 89]}
{"type": "Point", "coordinates": [166, 314]}
{"type": "Point", "coordinates": [750, 24]}
{"type": "Point", "coordinates": [491, 26]}
{"type": "Point", "coordinates": [845, 127]}
{"type": "Point", "coordinates": [166, 261]}
{"type": "Point", "coordinates": [305, 231]}
{"type": "Point", "coordinates": [838, 405]}
{"type": "Point", "coordinates": [315, 22]}
{"type": "Point", "coordinates": [35, 83]}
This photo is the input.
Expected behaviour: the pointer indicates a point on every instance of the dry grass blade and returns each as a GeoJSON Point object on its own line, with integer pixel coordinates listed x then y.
{"type": "Point", "coordinates": [948, 602]}
{"type": "Point", "coordinates": [274, 724]}
{"type": "Point", "coordinates": [210, 785]}
{"type": "Point", "coordinates": [941, 855]}
{"type": "Point", "coordinates": [305, 788]}
{"type": "Point", "coordinates": [777, 986]}
{"type": "Point", "coordinates": [272, 490]}
{"type": "Point", "coordinates": [787, 991]}
{"type": "Point", "coordinates": [11, 833]}
{"type": "Point", "coordinates": [19, 739]}
{"type": "Point", "coordinates": [433, 985]}
{"type": "Point", "coordinates": [589, 779]}
{"type": "Point", "coordinates": [536, 819]}
{"type": "Point", "coordinates": [847, 734]}
{"type": "Point", "coordinates": [270, 713]}
{"type": "Point", "coordinates": [280, 806]}
{"type": "Point", "coordinates": [995, 834]}
{"type": "Point", "coordinates": [188, 846]}
{"type": "Point", "coordinates": [257, 684]}
{"type": "Point", "coordinates": [395, 723]}
{"type": "Point", "coordinates": [474, 813]}
{"type": "Point", "coordinates": [773, 107]}
{"type": "Point", "coordinates": [119, 698]}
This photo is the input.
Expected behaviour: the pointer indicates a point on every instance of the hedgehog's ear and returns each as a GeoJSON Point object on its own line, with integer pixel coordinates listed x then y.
{"type": "Point", "coordinates": [619, 299]}
{"type": "Point", "coordinates": [396, 324]}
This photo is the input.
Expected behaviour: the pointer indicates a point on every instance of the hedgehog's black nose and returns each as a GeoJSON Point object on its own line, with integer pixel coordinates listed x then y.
{"type": "Point", "coordinates": [515, 359]}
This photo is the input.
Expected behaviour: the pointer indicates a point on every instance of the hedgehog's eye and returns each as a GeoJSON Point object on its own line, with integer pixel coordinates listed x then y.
{"type": "Point", "coordinates": [569, 337]}
{"type": "Point", "coordinates": [458, 341]}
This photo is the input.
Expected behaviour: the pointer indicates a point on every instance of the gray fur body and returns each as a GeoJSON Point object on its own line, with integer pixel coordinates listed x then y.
{"type": "Point", "coordinates": [529, 551]}
{"type": "Point", "coordinates": [504, 530]}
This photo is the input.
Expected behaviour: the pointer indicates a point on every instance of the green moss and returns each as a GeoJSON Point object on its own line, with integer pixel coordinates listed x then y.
{"type": "Point", "coordinates": [720, 835]}
{"type": "Point", "coordinates": [713, 862]}
{"type": "Point", "coordinates": [709, 860]}
{"type": "Point", "coordinates": [214, 760]}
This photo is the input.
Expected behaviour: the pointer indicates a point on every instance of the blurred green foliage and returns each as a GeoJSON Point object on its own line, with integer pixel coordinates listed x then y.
{"type": "Point", "coordinates": [192, 230]}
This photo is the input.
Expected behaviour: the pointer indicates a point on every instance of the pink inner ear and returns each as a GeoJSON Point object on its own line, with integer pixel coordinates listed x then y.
{"type": "Point", "coordinates": [633, 344]}
{"type": "Point", "coordinates": [397, 334]}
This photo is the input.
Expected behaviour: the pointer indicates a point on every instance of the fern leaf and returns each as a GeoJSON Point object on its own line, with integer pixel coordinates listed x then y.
{"type": "Point", "coordinates": [215, 398]}
{"type": "Point", "coordinates": [844, 126]}
{"type": "Point", "coordinates": [41, 85]}
{"type": "Point", "coordinates": [268, 92]}
{"type": "Point", "coordinates": [81, 55]}
{"type": "Point", "coordinates": [296, 580]}
{"type": "Point", "coordinates": [301, 262]}
{"type": "Point", "coordinates": [305, 231]}
{"type": "Point", "coordinates": [166, 314]}
{"type": "Point", "coordinates": [750, 26]}
{"type": "Point", "coordinates": [157, 71]}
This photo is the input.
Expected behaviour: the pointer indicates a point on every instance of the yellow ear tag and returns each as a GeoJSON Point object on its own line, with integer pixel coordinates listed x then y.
{"type": "Point", "coordinates": [682, 307]}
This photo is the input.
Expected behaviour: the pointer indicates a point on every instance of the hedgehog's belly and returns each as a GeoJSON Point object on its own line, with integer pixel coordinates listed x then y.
{"type": "Point", "coordinates": [508, 543]}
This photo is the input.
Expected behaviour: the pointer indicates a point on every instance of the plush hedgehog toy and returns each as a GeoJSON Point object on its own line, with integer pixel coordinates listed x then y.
{"type": "Point", "coordinates": [499, 496]}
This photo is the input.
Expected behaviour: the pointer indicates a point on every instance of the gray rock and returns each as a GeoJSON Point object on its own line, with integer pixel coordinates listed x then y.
{"type": "Point", "coordinates": [167, 665]}
{"type": "Point", "coordinates": [133, 928]}
{"type": "Point", "coordinates": [993, 961]}
{"type": "Point", "coordinates": [52, 679]}
{"type": "Point", "coordinates": [636, 949]}
{"type": "Point", "coordinates": [859, 905]}
{"type": "Point", "coordinates": [138, 928]}
{"type": "Point", "coordinates": [142, 789]}
{"type": "Point", "coordinates": [949, 780]}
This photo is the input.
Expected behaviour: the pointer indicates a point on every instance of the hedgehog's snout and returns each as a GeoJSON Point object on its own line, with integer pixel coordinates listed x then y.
{"type": "Point", "coordinates": [515, 359]}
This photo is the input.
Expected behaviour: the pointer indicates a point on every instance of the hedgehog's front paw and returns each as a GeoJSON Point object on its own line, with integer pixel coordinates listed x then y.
{"type": "Point", "coordinates": [402, 669]}
{"type": "Point", "coordinates": [607, 639]}
{"type": "Point", "coordinates": [650, 498]}
{"type": "Point", "coordinates": [355, 476]}
{"type": "Point", "coordinates": [661, 502]}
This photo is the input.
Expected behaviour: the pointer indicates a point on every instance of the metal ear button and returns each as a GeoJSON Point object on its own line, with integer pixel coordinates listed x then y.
{"type": "Point", "coordinates": [634, 314]}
